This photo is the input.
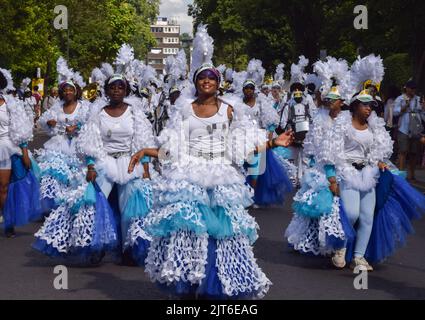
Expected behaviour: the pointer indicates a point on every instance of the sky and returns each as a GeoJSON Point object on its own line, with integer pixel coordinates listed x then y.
{"type": "Point", "coordinates": [178, 9]}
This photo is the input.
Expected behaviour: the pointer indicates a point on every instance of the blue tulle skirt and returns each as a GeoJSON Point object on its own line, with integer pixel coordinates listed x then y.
{"type": "Point", "coordinates": [210, 287]}
{"type": "Point", "coordinates": [23, 197]}
{"type": "Point", "coordinates": [397, 203]}
{"type": "Point", "coordinates": [100, 244]}
{"type": "Point", "coordinates": [273, 184]}
{"type": "Point", "coordinates": [137, 208]}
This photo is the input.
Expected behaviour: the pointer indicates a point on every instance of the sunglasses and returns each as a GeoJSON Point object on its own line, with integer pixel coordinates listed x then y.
{"type": "Point", "coordinates": [207, 74]}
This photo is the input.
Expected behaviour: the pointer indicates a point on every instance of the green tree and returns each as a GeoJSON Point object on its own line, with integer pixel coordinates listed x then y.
{"type": "Point", "coordinates": [96, 31]}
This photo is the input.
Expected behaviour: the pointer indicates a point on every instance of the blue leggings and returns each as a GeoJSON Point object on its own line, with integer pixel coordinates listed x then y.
{"type": "Point", "coordinates": [360, 206]}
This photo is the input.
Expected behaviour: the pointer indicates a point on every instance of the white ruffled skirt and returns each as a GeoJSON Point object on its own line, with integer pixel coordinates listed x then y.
{"type": "Point", "coordinates": [202, 233]}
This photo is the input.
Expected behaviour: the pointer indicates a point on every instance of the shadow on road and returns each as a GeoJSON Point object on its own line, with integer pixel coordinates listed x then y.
{"type": "Point", "coordinates": [279, 252]}
{"type": "Point", "coordinates": [117, 288]}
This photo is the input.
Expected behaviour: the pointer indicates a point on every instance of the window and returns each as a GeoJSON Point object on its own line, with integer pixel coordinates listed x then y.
{"type": "Point", "coordinates": [156, 50]}
{"type": "Point", "coordinates": [155, 61]}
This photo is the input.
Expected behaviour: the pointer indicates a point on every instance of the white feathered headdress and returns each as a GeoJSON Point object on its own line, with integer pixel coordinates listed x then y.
{"type": "Point", "coordinates": [222, 68]}
{"type": "Point", "coordinates": [255, 72]}
{"type": "Point", "coordinates": [107, 70]}
{"type": "Point", "coordinates": [297, 70]}
{"type": "Point", "coordinates": [98, 76]}
{"type": "Point", "coordinates": [25, 84]}
{"type": "Point", "coordinates": [66, 74]}
{"type": "Point", "coordinates": [176, 71]}
{"type": "Point", "coordinates": [124, 63]}
{"type": "Point", "coordinates": [229, 75]}
{"type": "Point", "coordinates": [8, 85]}
{"type": "Point", "coordinates": [280, 72]}
{"type": "Point", "coordinates": [333, 72]}
{"type": "Point", "coordinates": [238, 80]}
{"type": "Point", "coordinates": [367, 68]}
{"type": "Point", "coordinates": [203, 50]}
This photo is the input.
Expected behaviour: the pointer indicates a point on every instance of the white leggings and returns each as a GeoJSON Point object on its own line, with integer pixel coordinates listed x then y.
{"type": "Point", "coordinates": [360, 206]}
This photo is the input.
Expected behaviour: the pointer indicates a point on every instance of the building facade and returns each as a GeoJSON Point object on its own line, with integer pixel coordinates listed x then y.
{"type": "Point", "coordinates": [167, 34]}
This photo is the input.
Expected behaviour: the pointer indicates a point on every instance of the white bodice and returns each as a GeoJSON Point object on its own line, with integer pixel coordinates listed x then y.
{"type": "Point", "coordinates": [357, 145]}
{"type": "Point", "coordinates": [117, 132]}
{"type": "Point", "coordinates": [208, 135]}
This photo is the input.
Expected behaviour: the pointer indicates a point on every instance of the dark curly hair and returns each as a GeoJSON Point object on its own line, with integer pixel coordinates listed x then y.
{"type": "Point", "coordinates": [3, 81]}
{"type": "Point", "coordinates": [127, 84]}
{"type": "Point", "coordinates": [78, 91]}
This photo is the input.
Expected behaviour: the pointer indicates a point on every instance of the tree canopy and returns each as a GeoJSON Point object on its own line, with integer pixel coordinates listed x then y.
{"type": "Point", "coordinates": [280, 31]}
{"type": "Point", "coordinates": [97, 29]}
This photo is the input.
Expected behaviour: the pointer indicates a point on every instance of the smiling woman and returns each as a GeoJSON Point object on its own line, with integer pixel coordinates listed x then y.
{"type": "Point", "coordinates": [202, 232]}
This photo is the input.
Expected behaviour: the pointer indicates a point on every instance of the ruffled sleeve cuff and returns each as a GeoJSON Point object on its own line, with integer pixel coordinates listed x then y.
{"type": "Point", "coordinates": [145, 159]}
{"type": "Point", "coordinates": [330, 171]}
{"type": "Point", "coordinates": [90, 161]}
{"type": "Point", "coordinates": [271, 128]}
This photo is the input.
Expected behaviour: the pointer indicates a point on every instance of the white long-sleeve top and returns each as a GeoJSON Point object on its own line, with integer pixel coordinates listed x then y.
{"type": "Point", "coordinates": [343, 145]}
{"type": "Point", "coordinates": [15, 127]}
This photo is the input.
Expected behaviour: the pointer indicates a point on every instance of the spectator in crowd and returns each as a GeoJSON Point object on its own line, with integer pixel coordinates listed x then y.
{"type": "Point", "coordinates": [51, 99]}
{"type": "Point", "coordinates": [411, 113]}
{"type": "Point", "coordinates": [38, 98]}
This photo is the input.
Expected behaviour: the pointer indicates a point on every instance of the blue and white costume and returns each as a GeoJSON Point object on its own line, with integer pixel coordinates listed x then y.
{"type": "Point", "coordinates": [318, 223]}
{"type": "Point", "coordinates": [382, 202]}
{"type": "Point", "coordinates": [271, 175]}
{"type": "Point", "coordinates": [86, 223]}
{"type": "Point", "coordinates": [58, 161]}
{"type": "Point", "coordinates": [202, 233]}
{"type": "Point", "coordinates": [16, 130]}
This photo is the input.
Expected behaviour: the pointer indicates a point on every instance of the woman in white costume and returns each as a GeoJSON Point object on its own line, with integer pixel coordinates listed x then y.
{"type": "Point", "coordinates": [19, 188]}
{"type": "Point", "coordinates": [202, 233]}
{"type": "Point", "coordinates": [86, 222]}
{"type": "Point", "coordinates": [58, 161]}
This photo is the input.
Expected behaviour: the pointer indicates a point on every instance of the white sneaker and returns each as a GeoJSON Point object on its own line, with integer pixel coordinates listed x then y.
{"type": "Point", "coordinates": [338, 259]}
{"type": "Point", "coordinates": [361, 263]}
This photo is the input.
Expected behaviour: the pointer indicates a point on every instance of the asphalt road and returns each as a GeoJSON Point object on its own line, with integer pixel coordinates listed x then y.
{"type": "Point", "coordinates": [26, 274]}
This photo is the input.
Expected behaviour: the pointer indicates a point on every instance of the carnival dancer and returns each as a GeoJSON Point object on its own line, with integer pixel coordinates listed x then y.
{"type": "Point", "coordinates": [319, 225]}
{"type": "Point", "coordinates": [372, 194]}
{"type": "Point", "coordinates": [58, 161]}
{"type": "Point", "coordinates": [20, 189]}
{"type": "Point", "coordinates": [202, 233]}
{"type": "Point", "coordinates": [86, 226]}
{"type": "Point", "coordinates": [264, 173]}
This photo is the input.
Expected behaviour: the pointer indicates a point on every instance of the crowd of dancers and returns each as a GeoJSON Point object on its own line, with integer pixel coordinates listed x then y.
{"type": "Point", "coordinates": [160, 172]}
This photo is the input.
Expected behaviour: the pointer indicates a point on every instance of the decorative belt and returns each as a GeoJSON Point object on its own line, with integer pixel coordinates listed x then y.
{"type": "Point", "coordinates": [359, 165]}
{"type": "Point", "coordinates": [210, 155]}
{"type": "Point", "coordinates": [117, 155]}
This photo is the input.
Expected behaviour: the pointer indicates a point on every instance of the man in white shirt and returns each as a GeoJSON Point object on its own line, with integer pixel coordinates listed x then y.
{"type": "Point", "coordinates": [411, 111]}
